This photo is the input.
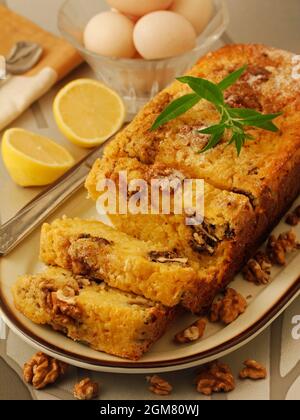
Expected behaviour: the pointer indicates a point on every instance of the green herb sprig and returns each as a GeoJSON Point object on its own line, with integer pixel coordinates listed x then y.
{"type": "Point", "coordinates": [233, 121]}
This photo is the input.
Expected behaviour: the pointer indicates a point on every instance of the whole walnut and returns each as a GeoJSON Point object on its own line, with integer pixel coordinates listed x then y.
{"type": "Point", "coordinates": [42, 370]}
{"type": "Point", "coordinates": [229, 308]}
{"type": "Point", "coordinates": [86, 390]}
{"type": "Point", "coordinates": [215, 377]}
{"type": "Point", "coordinates": [253, 370]}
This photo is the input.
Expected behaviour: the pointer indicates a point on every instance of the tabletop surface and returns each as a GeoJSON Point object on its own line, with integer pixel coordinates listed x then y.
{"type": "Point", "coordinates": [273, 22]}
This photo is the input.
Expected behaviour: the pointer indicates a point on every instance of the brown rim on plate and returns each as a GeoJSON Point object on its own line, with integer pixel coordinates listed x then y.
{"type": "Point", "coordinates": [208, 354]}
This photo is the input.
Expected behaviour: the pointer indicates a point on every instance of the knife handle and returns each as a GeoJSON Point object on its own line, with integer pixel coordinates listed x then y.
{"type": "Point", "coordinates": [34, 213]}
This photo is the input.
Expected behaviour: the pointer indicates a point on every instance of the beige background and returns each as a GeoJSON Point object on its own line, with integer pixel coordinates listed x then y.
{"type": "Point", "coordinates": [274, 22]}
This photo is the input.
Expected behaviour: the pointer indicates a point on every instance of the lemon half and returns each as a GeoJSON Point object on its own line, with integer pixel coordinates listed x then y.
{"type": "Point", "coordinates": [33, 160]}
{"type": "Point", "coordinates": [88, 112]}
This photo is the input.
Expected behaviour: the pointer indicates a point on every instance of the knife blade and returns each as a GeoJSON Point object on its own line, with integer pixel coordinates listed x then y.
{"type": "Point", "coordinates": [36, 211]}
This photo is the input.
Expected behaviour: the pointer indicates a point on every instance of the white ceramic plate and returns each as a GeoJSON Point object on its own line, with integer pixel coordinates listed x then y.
{"type": "Point", "coordinates": [265, 304]}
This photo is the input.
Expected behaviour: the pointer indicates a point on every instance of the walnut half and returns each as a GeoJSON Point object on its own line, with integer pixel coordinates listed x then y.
{"type": "Point", "coordinates": [277, 249]}
{"type": "Point", "coordinates": [86, 390]}
{"type": "Point", "coordinates": [215, 377]}
{"type": "Point", "coordinates": [293, 218]}
{"type": "Point", "coordinates": [253, 370]}
{"type": "Point", "coordinates": [42, 370]}
{"type": "Point", "coordinates": [229, 308]}
{"type": "Point", "coordinates": [258, 269]}
{"type": "Point", "coordinates": [159, 386]}
{"type": "Point", "coordinates": [192, 333]}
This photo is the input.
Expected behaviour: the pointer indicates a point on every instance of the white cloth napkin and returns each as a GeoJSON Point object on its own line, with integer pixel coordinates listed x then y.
{"type": "Point", "coordinates": [2, 329]}
{"type": "Point", "coordinates": [19, 92]}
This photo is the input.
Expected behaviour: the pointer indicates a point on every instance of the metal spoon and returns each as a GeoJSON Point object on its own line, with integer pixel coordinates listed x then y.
{"type": "Point", "coordinates": [22, 57]}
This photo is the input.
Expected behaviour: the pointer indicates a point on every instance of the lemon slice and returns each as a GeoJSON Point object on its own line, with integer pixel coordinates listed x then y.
{"type": "Point", "coordinates": [33, 160]}
{"type": "Point", "coordinates": [88, 112]}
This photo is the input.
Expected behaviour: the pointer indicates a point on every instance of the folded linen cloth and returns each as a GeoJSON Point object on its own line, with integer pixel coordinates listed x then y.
{"type": "Point", "coordinates": [58, 59]}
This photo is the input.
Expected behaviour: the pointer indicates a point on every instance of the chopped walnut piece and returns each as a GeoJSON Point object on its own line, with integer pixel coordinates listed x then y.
{"type": "Point", "coordinates": [83, 282]}
{"type": "Point", "coordinates": [167, 257]}
{"type": "Point", "coordinates": [243, 95]}
{"type": "Point", "coordinates": [159, 386]}
{"type": "Point", "coordinates": [277, 249]}
{"type": "Point", "coordinates": [66, 295]}
{"type": "Point", "coordinates": [83, 253]}
{"type": "Point", "coordinates": [86, 390]}
{"type": "Point", "coordinates": [140, 301]}
{"type": "Point", "coordinates": [42, 370]}
{"type": "Point", "coordinates": [293, 218]}
{"type": "Point", "coordinates": [256, 75]}
{"type": "Point", "coordinates": [258, 269]}
{"type": "Point", "coordinates": [192, 333]}
{"type": "Point", "coordinates": [229, 308]}
{"type": "Point", "coordinates": [207, 236]}
{"type": "Point", "coordinates": [64, 308]}
{"type": "Point", "coordinates": [215, 377]}
{"type": "Point", "coordinates": [253, 370]}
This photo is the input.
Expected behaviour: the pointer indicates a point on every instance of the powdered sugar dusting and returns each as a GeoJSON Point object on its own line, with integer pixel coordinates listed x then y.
{"type": "Point", "coordinates": [296, 67]}
{"type": "Point", "coordinates": [191, 136]}
{"type": "Point", "coordinates": [254, 79]}
{"type": "Point", "coordinates": [284, 85]}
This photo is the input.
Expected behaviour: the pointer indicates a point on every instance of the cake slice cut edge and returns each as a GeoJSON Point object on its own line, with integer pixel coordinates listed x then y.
{"type": "Point", "coordinates": [105, 319]}
{"type": "Point", "coordinates": [93, 249]}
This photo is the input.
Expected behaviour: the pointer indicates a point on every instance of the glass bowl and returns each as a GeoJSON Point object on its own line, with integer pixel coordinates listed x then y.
{"type": "Point", "coordinates": [136, 80]}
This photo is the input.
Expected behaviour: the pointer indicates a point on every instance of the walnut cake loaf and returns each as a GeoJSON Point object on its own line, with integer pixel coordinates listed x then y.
{"type": "Point", "coordinates": [106, 319]}
{"type": "Point", "coordinates": [93, 249]}
{"type": "Point", "coordinates": [266, 174]}
{"type": "Point", "coordinates": [268, 168]}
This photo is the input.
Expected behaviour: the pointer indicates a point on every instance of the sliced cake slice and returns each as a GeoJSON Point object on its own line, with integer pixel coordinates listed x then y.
{"type": "Point", "coordinates": [93, 249]}
{"type": "Point", "coordinates": [108, 320]}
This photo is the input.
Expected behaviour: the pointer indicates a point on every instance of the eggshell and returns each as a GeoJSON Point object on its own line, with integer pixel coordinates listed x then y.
{"type": "Point", "coordinates": [163, 34]}
{"type": "Point", "coordinates": [139, 7]}
{"type": "Point", "coordinates": [110, 34]}
{"type": "Point", "coordinates": [198, 12]}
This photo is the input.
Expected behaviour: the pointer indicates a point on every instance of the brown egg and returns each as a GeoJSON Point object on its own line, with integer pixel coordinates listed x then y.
{"type": "Point", "coordinates": [110, 34]}
{"type": "Point", "coordinates": [198, 12]}
{"type": "Point", "coordinates": [139, 7]}
{"type": "Point", "coordinates": [163, 34]}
